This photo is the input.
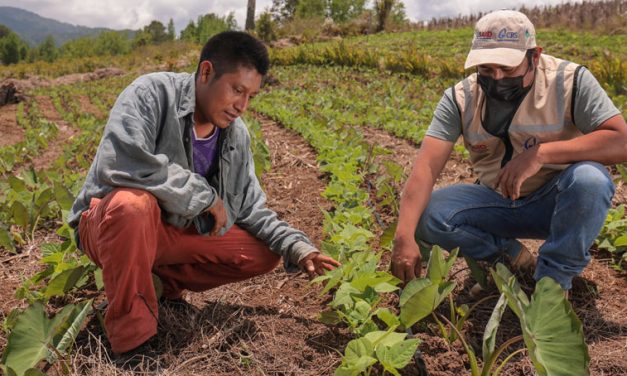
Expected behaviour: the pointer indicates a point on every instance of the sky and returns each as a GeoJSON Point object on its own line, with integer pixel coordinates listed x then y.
{"type": "Point", "coordinates": [118, 14]}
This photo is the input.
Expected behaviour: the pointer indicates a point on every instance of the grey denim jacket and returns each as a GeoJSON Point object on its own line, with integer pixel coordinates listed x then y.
{"type": "Point", "coordinates": [147, 145]}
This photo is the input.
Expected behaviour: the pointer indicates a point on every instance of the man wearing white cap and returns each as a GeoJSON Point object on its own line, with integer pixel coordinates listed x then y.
{"type": "Point", "coordinates": [539, 130]}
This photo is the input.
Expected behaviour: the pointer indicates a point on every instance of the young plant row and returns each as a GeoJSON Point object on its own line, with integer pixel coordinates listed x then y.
{"type": "Point", "coordinates": [42, 199]}
{"type": "Point", "coordinates": [360, 287]}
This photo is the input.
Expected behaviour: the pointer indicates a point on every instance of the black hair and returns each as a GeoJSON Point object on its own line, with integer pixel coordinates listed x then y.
{"type": "Point", "coordinates": [230, 50]}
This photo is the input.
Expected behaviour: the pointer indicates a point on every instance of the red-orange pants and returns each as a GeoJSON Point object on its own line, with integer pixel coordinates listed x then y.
{"type": "Point", "coordinates": [124, 235]}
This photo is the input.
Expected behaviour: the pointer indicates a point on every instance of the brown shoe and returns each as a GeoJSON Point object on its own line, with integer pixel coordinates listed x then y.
{"type": "Point", "coordinates": [525, 260]}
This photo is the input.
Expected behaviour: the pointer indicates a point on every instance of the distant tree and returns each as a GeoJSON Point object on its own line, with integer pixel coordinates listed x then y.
{"type": "Point", "coordinates": [171, 32]}
{"type": "Point", "coordinates": [47, 50]}
{"type": "Point", "coordinates": [283, 10]}
{"type": "Point", "coordinates": [112, 43]}
{"type": "Point", "coordinates": [207, 26]}
{"type": "Point", "coordinates": [265, 27]}
{"type": "Point", "coordinates": [189, 33]}
{"type": "Point", "coordinates": [344, 10]}
{"type": "Point", "coordinates": [383, 8]}
{"type": "Point", "coordinates": [12, 48]}
{"type": "Point", "coordinates": [311, 8]}
{"type": "Point", "coordinates": [157, 32]}
{"type": "Point", "coordinates": [250, 15]}
{"type": "Point", "coordinates": [398, 15]}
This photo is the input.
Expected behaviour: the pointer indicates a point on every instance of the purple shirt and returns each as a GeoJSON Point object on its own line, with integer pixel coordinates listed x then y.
{"type": "Point", "coordinates": [205, 151]}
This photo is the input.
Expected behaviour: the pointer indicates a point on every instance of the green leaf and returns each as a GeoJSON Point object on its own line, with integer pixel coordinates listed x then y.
{"type": "Point", "coordinates": [421, 304]}
{"type": "Point", "coordinates": [506, 282]}
{"type": "Point", "coordinates": [621, 241]}
{"type": "Point", "coordinates": [98, 279]}
{"type": "Point", "coordinates": [385, 338]}
{"type": "Point", "coordinates": [17, 184]}
{"type": "Point", "coordinates": [34, 333]}
{"type": "Point", "coordinates": [330, 318]}
{"type": "Point", "coordinates": [489, 335]}
{"type": "Point", "coordinates": [6, 240]}
{"type": "Point", "coordinates": [64, 282]}
{"type": "Point", "coordinates": [20, 214]}
{"type": "Point", "coordinates": [64, 197]}
{"type": "Point", "coordinates": [71, 329]}
{"type": "Point", "coordinates": [44, 197]}
{"type": "Point", "coordinates": [477, 272]}
{"type": "Point", "coordinates": [398, 355]}
{"type": "Point", "coordinates": [553, 333]}
{"type": "Point", "coordinates": [357, 357]}
{"type": "Point", "coordinates": [388, 317]}
{"type": "Point", "coordinates": [387, 237]}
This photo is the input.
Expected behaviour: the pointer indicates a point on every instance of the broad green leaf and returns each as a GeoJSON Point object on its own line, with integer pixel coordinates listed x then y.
{"type": "Point", "coordinates": [20, 214]}
{"type": "Point", "coordinates": [6, 240]}
{"type": "Point", "coordinates": [387, 237]}
{"type": "Point", "coordinates": [477, 272]}
{"type": "Point", "coordinates": [553, 333]}
{"type": "Point", "coordinates": [330, 318]}
{"type": "Point", "coordinates": [412, 288]}
{"type": "Point", "coordinates": [621, 241]}
{"type": "Point", "coordinates": [421, 304]}
{"type": "Point", "coordinates": [489, 335]}
{"type": "Point", "coordinates": [398, 355]}
{"type": "Point", "coordinates": [17, 184]}
{"type": "Point", "coordinates": [98, 279]}
{"type": "Point", "coordinates": [358, 356]}
{"type": "Point", "coordinates": [64, 282]}
{"type": "Point", "coordinates": [388, 317]}
{"type": "Point", "coordinates": [385, 338]}
{"type": "Point", "coordinates": [44, 197]}
{"type": "Point", "coordinates": [33, 332]}
{"type": "Point", "coordinates": [71, 329]}
{"type": "Point", "coordinates": [506, 282]}
{"type": "Point", "coordinates": [64, 197]}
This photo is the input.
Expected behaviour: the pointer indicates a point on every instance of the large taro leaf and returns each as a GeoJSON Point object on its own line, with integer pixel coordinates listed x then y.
{"type": "Point", "coordinates": [421, 296]}
{"type": "Point", "coordinates": [34, 334]}
{"type": "Point", "coordinates": [420, 301]}
{"type": "Point", "coordinates": [553, 333]}
{"type": "Point", "coordinates": [438, 266]}
{"type": "Point", "coordinates": [506, 282]}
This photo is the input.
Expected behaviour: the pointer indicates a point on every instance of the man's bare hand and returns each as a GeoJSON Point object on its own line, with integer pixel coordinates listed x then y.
{"type": "Point", "coordinates": [316, 263]}
{"type": "Point", "coordinates": [520, 168]}
{"type": "Point", "coordinates": [406, 260]}
{"type": "Point", "coordinates": [219, 215]}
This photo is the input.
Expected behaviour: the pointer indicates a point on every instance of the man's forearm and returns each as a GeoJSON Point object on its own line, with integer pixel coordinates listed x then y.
{"type": "Point", "coordinates": [606, 146]}
{"type": "Point", "coordinates": [413, 202]}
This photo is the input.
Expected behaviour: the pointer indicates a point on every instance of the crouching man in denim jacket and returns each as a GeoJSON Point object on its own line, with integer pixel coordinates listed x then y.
{"type": "Point", "coordinates": [172, 191]}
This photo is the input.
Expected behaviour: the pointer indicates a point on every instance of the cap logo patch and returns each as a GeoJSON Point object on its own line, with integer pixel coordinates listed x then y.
{"type": "Point", "coordinates": [484, 34]}
{"type": "Point", "coordinates": [507, 35]}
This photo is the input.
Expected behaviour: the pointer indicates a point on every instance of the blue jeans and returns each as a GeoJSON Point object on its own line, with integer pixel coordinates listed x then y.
{"type": "Point", "coordinates": [568, 211]}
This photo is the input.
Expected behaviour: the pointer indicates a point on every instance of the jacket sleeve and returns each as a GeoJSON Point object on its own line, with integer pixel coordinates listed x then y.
{"type": "Point", "coordinates": [127, 157]}
{"type": "Point", "coordinates": [293, 245]}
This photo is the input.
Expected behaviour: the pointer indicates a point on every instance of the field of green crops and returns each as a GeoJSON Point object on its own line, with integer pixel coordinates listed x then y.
{"type": "Point", "coordinates": [339, 98]}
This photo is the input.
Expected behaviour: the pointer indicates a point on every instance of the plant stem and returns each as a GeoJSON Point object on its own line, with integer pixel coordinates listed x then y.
{"type": "Point", "coordinates": [506, 360]}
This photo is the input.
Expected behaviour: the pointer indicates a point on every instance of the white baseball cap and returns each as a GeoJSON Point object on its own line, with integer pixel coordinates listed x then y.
{"type": "Point", "coordinates": [501, 37]}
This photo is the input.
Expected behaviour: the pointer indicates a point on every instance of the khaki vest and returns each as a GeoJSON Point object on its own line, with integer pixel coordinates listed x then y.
{"type": "Point", "coordinates": [544, 115]}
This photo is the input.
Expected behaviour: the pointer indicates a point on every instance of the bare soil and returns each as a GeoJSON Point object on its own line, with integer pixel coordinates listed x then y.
{"type": "Point", "coordinates": [11, 132]}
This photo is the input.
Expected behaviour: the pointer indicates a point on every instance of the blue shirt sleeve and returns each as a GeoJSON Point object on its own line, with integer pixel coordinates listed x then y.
{"type": "Point", "coordinates": [446, 123]}
{"type": "Point", "coordinates": [592, 104]}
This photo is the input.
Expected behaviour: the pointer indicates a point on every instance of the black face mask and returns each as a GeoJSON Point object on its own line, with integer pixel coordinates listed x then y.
{"type": "Point", "coordinates": [508, 89]}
